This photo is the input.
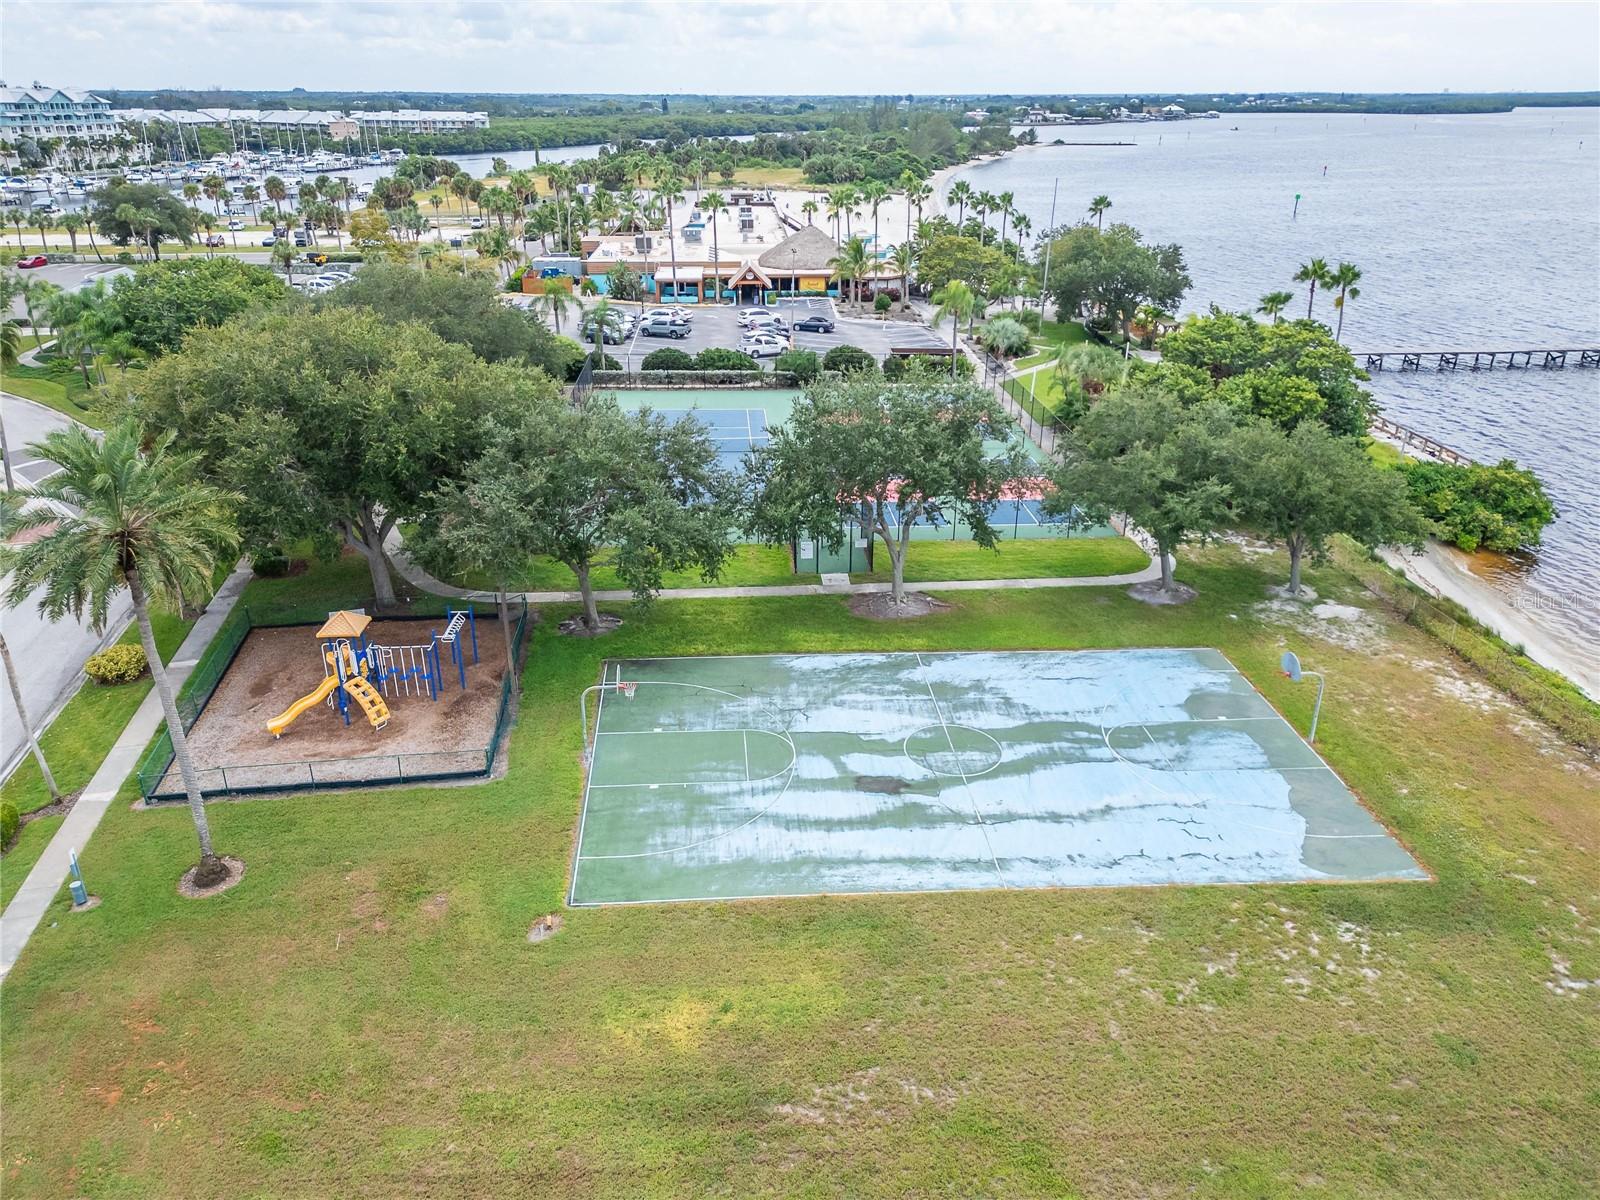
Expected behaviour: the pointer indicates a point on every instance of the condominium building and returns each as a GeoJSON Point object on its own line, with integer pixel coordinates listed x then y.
{"type": "Point", "coordinates": [48, 112]}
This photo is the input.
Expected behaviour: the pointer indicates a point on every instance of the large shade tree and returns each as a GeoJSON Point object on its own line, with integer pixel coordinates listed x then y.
{"type": "Point", "coordinates": [1302, 486]}
{"type": "Point", "coordinates": [159, 303]}
{"type": "Point", "coordinates": [1113, 273]}
{"type": "Point", "coordinates": [118, 516]}
{"type": "Point", "coordinates": [888, 455]}
{"type": "Point", "coordinates": [334, 425]}
{"type": "Point", "coordinates": [592, 487]}
{"type": "Point", "coordinates": [141, 212]}
{"type": "Point", "coordinates": [1140, 452]}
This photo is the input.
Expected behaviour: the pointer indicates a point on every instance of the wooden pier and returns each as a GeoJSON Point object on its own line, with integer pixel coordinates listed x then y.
{"type": "Point", "coordinates": [1476, 360]}
{"type": "Point", "coordinates": [1417, 444]}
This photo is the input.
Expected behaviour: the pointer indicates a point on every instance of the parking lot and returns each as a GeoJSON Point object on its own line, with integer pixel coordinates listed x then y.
{"type": "Point", "coordinates": [718, 325]}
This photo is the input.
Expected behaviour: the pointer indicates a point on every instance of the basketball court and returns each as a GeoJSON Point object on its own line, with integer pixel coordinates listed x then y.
{"type": "Point", "coordinates": [775, 775]}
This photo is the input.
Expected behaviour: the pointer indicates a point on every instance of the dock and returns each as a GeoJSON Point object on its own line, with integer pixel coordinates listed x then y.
{"type": "Point", "coordinates": [1476, 360]}
{"type": "Point", "coordinates": [1419, 445]}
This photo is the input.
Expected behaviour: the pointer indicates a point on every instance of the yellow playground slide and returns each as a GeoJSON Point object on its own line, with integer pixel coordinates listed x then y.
{"type": "Point", "coordinates": [286, 718]}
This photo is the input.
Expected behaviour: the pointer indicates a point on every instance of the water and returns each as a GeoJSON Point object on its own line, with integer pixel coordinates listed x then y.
{"type": "Point", "coordinates": [1472, 232]}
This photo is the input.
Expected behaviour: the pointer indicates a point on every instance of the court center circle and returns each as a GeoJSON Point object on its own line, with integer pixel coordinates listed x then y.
{"type": "Point", "coordinates": [957, 751]}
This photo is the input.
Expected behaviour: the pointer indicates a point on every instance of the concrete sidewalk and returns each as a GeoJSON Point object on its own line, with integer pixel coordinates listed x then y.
{"type": "Point", "coordinates": [418, 577]}
{"type": "Point", "coordinates": [38, 891]}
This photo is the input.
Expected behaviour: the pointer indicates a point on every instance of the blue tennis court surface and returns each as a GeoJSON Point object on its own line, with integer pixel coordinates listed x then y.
{"type": "Point", "coordinates": [774, 775]}
{"type": "Point", "coordinates": [734, 430]}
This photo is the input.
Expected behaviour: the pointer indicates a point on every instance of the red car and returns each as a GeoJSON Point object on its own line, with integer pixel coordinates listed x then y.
{"type": "Point", "coordinates": [31, 260]}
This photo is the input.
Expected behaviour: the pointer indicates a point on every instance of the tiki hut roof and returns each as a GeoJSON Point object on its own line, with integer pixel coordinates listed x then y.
{"type": "Point", "coordinates": [344, 624]}
{"type": "Point", "coordinates": [806, 249]}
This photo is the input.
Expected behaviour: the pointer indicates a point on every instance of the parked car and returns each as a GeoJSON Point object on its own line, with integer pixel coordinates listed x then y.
{"type": "Point", "coordinates": [215, 239]}
{"type": "Point", "coordinates": [316, 257]}
{"type": "Point", "coordinates": [29, 261]}
{"type": "Point", "coordinates": [235, 226]}
{"type": "Point", "coordinates": [814, 324]}
{"type": "Point", "coordinates": [475, 223]}
{"type": "Point", "coordinates": [270, 240]}
{"type": "Point", "coordinates": [614, 335]}
{"type": "Point", "coordinates": [671, 327]}
{"type": "Point", "coordinates": [746, 315]}
{"type": "Point", "coordinates": [768, 325]}
{"type": "Point", "coordinates": [300, 238]}
{"type": "Point", "coordinates": [675, 313]}
{"type": "Point", "coordinates": [763, 345]}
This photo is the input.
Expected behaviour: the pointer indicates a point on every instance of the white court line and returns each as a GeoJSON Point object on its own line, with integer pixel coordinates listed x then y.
{"type": "Point", "coordinates": [965, 783]}
{"type": "Point", "coordinates": [744, 736]}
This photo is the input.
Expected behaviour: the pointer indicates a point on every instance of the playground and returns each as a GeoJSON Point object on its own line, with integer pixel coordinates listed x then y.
{"type": "Point", "coordinates": [352, 701]}
{"type": "Point", "coordinates": [771, 775]}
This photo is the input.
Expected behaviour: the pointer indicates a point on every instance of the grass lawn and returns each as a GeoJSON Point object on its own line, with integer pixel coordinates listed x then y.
{"type": "Point", "coordinates": [779, 177]}
{"type": "Point", "coordinates": [364, 1014]}
{"type": "Point", "coordinates": [1063, 333]}
{"type": "Point", "coordinates": [64, 393]}
{"type": "Point", "coordinates": [86, 729]}
{"type": "Point", "coordinates": [750, 566]}
{"type": "Point", "coordinates": [1043, 386]}
{"type": "Point", "coordinates": [18, 861]}
{"type": "Point", "coordinates": [1023, 558]}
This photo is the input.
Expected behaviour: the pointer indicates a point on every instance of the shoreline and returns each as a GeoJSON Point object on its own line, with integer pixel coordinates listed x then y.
{"type": "Point", "coordinates": [1445, 572]}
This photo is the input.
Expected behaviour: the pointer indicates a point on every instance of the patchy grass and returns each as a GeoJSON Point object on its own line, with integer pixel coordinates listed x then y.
{"type": "Point", "coordinates": [18, 861]}
{"type": "Point", "coordinates": [750, 566]}
{"type": "Point", "coordinates": [778, 177]}
{"type": "Point", "coordinates": [66, 393]}
{"type": "Point", "coordinates": [1022, 558]}
{"type": "Point", "coordinates": [86, 729]}
{"type": "Point", "coordinates": [363, 1014]}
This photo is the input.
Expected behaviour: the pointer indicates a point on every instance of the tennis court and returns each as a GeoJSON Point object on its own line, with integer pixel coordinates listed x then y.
{"type": "Point", "coordinates": [774, 775]}
{"type": "Point", "coordinates": [735, 431]}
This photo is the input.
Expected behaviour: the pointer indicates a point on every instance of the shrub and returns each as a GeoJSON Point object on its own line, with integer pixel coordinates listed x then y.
{"type": "Point", "coordinates": [121, 663]}
{"type": "Point", "coordinates": [848, 359]}
{"type": "Point", "coordinates": [720, 358]}
{"type": "Point", "coordinates": [270, 563]}
{"type": "Point", "coordinates": [925, 366]}
{"type": "Point", "coordinates": [804, 365]}
{"type": "Point", "coordinates": [1029, 318]}
{"type": "Point", "coordinates": [668, 359]}
{"type": "Point", "coordinates": [1500, 507]}
{"type": "Point", "coordinates": [1005, 336]}
{"type": "Point", "coordinates": [881, 303]}
{"type": "Point", "coordinates": [604, 363]}
{"type": "Point", "coordinates": [10, 822]}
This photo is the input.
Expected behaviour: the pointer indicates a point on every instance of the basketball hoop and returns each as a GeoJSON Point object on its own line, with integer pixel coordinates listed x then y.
{"type": "Point", "coordinates": [626, 688]}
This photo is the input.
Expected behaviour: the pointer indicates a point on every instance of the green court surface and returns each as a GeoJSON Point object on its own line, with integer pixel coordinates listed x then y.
{"type": "Point", "coordinates": [788, 775]}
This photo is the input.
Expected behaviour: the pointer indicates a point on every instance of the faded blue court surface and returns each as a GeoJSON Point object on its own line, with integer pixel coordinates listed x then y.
{"type": "Point", "coordinates": [786, 775]}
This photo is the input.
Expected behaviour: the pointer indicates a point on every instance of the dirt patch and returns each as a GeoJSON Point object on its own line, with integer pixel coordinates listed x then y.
{"type": "Point", "coordinates": [1281, 591]}
{"type": "Point", "coordinates": [887, 785]}
{"type": "Point", "coordinates": [186, 887]}
{"type": "Point", "coordinates": [545, 927]}
{"type": "Point", "coordinates": [91, 902]}
{"type": "Point", "coordinates": [275, 667]}
{"type": "Point", "coordinates": [434, 907]}
{"type": "Point", "coordinates": [880, 606]}
{"type": "Point", "coordinates": [1340, 624]}
{"type": "Point", "coordinates": [1154, 593]}
{"type": "Point", "coordinates": [63, 805]}
{"type": "Point", "coordinates": [574, 626]}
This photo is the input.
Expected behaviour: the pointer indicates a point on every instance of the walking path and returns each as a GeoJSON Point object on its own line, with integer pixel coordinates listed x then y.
{"type": "Point", "coordinates": [831, 585]}
{"type": "Point", "coordinates": [38, 891]}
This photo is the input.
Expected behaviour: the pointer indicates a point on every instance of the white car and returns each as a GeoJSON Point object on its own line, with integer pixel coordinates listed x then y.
{"type": "Point", "coordinates": [235, 226]}
{"type": "Point", "coordinates": [747, 315]}
{"type": "Point", "coordinates": [763, 345]}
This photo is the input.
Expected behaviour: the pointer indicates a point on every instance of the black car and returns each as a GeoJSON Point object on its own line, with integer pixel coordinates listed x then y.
{"type": "Point", "coordinates": [814, 324]}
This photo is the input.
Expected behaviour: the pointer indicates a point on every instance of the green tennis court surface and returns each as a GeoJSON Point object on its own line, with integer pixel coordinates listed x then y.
{"type": "Point", "coordinates": [785, 775]}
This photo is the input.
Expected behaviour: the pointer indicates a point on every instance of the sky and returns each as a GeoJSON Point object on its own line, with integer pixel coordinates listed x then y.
{"type": "Point", "coordinates": [802, 46]}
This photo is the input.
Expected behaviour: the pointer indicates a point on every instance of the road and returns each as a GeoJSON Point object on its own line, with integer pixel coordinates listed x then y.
{"type": "Point", "coordinates": [68, 276]}
{"type": "Point", "coordinates": [49, 657]}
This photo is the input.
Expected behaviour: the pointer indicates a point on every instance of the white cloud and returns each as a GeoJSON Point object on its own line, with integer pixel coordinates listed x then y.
{"type": "Point", "coordinates": [822, 46]}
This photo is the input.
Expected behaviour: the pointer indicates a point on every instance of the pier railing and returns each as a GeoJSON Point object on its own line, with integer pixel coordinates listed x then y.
{"type": "Point", "coordinates": [1477, 360]}
{"type": "Point", "coordinates": [1418, 443]}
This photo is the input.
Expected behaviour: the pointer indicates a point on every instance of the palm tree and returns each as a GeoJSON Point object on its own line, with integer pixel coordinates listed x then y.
{"type": "Point", "coordinates": [1005, 200]}
{"type": "Point", "coordinates": [36, 294]}
{"type": "Point", "coordinates": [277, 191]}
{"type": "Point", "coordinates": [1344, 277]}
{"type": "Point", "coordinates": [555, 300]}
{"type": "Point", "coordinates": [10, 509]}
{"type": "Point", "coordinates": [903, 258]}
{"type": "Point", "coordinates": [955, 301]}
{"type": "Point", "coordinates": [251, 195]}
{"type": "Point", "coordinates": [983, 204]}
{"type": "Point", "coordinates": [960, 195]}
{"type": "Point", "coordinates": [669, 187]}
{"type": "Point", "coordinates": [44, 224]}
{"type": "Point", "coordinates": [1098, 208]}
{"type": "Point", "coordinates": [835, 212]}
{"type": "Point", "coordinates": [72, 222]}
{"type": "Point", "coordinates": [1273, 304]}
{"type": "Point", "coordinates": [810, 210]}
{"type": "Point", "coordinates": [1314, 272]}
{"type": "Point", "coordinates": [15, 216]}
{"type": "Point", "coordinates": [874, 192]}
{"type": "Point", "coordinates": [603, 319]}
{"type": "Point", "coordinates": [215, 188]}
{"type": "Point", "coordinates": [851, 265]}
{"type": "Point", "coordinates": [116, 516]}
{"type": "Point", "coordinates": [191, 193]}
{"type": "Point", "coordinates": [1021, 226]}
{"type": "Point", "coordinates": [714, 203]}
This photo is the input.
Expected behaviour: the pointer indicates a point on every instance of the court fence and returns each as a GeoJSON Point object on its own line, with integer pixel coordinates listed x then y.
{"type": "Point", "coordinates": [1565, 709]}
{"type": "Point", "coordinates": [757, 379]}
{"type": "Point", "coordinates": [159, 781]}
